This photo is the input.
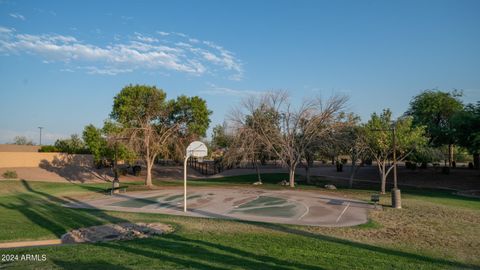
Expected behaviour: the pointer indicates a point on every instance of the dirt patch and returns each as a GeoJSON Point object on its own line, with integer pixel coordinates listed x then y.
{"type": "Point", "coordinates": [110, 232]}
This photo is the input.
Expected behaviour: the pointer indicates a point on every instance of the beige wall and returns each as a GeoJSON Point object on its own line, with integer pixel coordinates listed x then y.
{"type": "Point", "coordinates": [35, 159]}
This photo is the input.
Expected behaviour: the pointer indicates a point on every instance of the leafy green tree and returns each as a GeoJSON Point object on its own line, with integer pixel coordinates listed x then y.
{"type": "Point", "coordinates": [192, 113]}
{"type": "Point", "coordinates": [153, 124]}
{"type": "Point", "coordinates": [379, 138]}
{"type": "Point", "coordinates": [95, 142]}
{"type": "Point", "coordinates": [22, 140]}
{"type": "Point", "coordinates": [220, 138]}
{"type": "Point", "coordinates": [192, 117]}
{"type": "Point", "coordinates": [73, 145]}
{"type": "Point", "coordinates": [435, 109]}
{"type": "Point", "coordinates": [467, 130]}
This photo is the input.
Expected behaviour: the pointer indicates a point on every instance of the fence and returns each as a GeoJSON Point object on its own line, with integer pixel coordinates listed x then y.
{"type": "Point", "coordinates": [207, 167]}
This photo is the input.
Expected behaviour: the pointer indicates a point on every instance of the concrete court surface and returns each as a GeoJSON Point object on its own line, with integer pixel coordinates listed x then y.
{"type": "Point", "coordinates": [275, 206]}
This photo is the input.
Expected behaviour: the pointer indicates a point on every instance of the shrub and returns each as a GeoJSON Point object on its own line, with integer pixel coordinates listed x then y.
{"type": "Point", "coordinates": [10, 174]}
{"type": "Point", "coordinates": [48, 149]}
{"type": "Point", "coordinates": [136, 170]}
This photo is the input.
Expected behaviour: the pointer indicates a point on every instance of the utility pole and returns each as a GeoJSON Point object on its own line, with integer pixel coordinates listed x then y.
{"type": "Point", "coordinates": [40, 142]}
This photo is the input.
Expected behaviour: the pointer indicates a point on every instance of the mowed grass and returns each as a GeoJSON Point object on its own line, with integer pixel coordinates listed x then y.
{"type": "Point", "coordinates": [434, 230]}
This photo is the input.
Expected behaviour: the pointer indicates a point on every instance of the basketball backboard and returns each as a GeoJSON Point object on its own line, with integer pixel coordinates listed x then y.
{"type": "Point", "coordinates": [197, 149]}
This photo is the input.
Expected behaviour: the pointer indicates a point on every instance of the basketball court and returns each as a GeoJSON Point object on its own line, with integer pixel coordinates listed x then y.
{"type": "Point", "coordinates": [276, 206]}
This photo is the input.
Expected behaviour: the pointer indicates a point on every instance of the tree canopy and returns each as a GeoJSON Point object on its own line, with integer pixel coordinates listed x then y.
{"type": "Point", "coordinates": [435, 109]}
{"type": "Point", "coordinates": [157, 126]}
{"type": "Point", "coordinates": [379, 138]}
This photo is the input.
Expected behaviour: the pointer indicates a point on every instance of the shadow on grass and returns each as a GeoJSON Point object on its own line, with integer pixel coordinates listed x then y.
{"type": "Point", "coordinates": [93, 264]}
{"type": "Point", "coordinates": [45, 211]}
{"type": "Point", "coordinates": [442, 263]}
{"type": "Point", "coordinates": [197, 254]}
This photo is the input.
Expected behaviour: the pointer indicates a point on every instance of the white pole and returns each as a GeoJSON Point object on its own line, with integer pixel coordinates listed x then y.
{"type": "Point", "coordinates": [185, 184]}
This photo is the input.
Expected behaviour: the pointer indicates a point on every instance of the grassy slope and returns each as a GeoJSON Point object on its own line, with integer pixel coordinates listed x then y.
{"type": "Point", "coordinates": [434, 230]}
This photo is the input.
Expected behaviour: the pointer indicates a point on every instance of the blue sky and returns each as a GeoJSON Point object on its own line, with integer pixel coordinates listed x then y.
{"type": "Point", "coordinates": [61, 62]}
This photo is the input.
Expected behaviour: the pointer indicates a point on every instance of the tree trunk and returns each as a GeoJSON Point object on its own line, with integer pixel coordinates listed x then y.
{"type": "Point", "coordinates": [307, 173]}
{"type": "Point", "coordinates": [476, 161]}
{"type": "Point", "coordinates": [148, 179]}
{"type": "Point", "coordinates": [450, 155]}
{"type": "Point", "coordinates": [309, 160]}
{"type": "Point", "coordinates": [258, 172]}
{"type": "Point", "coordinates": [352, 174]}
{"type": "Point", "coordinates": [384, 180]}
{"type": "Point", "coordinates": [292, 176]}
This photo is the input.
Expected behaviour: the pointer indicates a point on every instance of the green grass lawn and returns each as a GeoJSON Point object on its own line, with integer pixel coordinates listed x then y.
{"type": "Point", "coordinates": [435, 230]}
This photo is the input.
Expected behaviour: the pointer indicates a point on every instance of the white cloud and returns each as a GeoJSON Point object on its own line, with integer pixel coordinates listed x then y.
{"type": "Point", "coordinates": [142, 52]}
{"type": "Point", "coordinates": [106, 71]}
{"type": "Point", "coordinates": [5, 30]}
{"type": "Point", "coordinates": [143, 38]}
{"type": "Point", "coordinates": [225, 91]}
{"type": "Point", "coordinates": [17, 16]}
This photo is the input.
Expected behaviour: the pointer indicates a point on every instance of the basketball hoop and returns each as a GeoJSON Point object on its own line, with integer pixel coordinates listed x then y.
{"type": "Point", "coordinates": [197, 150]}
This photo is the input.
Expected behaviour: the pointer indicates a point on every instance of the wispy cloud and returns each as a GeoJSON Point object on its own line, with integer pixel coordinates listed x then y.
{"type": "Point", "coordinates": [17, 16]}
{"type": "Point", "coordinates": [106, 71]}
{"type": "Point", "coordinates": [225, 91]}
{"type": "Point", "coordinates": [173, 52]}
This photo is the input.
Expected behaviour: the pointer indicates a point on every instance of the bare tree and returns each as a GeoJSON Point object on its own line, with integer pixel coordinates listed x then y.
{"type": "Point", "coordinates": [150, 141]}
{"type": "Point", "coordinates": [287, 131]}
{"type": "Point", "coordinates": [246, 144]}
{"type": "Point", "coordinates": [354, 144]}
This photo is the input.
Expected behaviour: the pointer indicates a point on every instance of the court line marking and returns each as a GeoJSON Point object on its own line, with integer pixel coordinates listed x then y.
{"type": "Point", "coordinates": [343, 212]}
{"type": "Point", "coordinates": [236, 206]}
{"type": "Point", "coordinates": [306, 212]}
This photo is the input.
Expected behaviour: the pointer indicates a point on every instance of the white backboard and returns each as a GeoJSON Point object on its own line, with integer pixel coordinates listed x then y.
{"type": "Point", "coordinates": [197, 149]}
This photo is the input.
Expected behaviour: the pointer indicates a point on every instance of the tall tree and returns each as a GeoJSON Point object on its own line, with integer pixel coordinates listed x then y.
{"type": "Point", "coordinates": [435, 109]}
{"type": "Point", "coordinates": [467, 130]}
{"type": "Point", "coordinates": [104, 142]}
{"type": "Point", "coordinates": [379, 138]}
{"type": "Point", "coordinates": [351, 139]}
{"type": "Point", "coordinates": [247, 142]}
{"type": "Point", "coordinates": [220, 137]}
{"type": "Point", "coordinates": [97, 144]}
{"type": "Point", "coordinates": [294, 129]}
{"type": "Point", "coordinates": [153, 124]}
